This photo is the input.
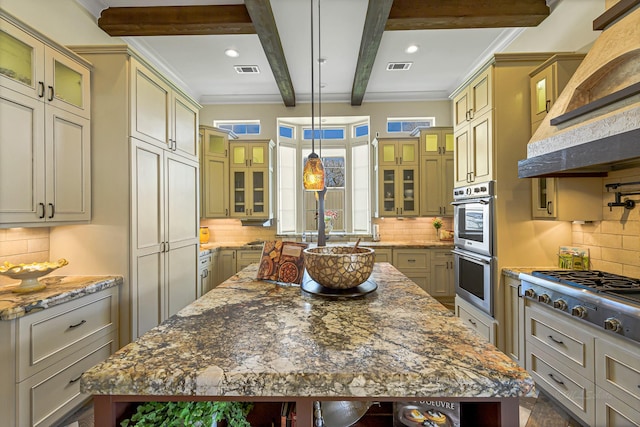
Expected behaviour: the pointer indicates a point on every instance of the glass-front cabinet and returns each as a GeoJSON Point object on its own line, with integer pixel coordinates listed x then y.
{"type": "Point", "coordinates": [37, 70]}
{"type": "Point", "coordinates": [397, 165]}
{"type": "Point", "coordinates": [251, 179]}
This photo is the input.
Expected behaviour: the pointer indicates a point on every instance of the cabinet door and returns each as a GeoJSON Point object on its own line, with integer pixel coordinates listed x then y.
{"type": "Point", "coordinates": [481, 94]}
{"type": "Point", "coordinates": [388, 153]}
{"type": "Point", "coordinates": [461, 158]}
{"type": "Point", "coordinates": [22, 158]}
{"type": "Point", "coordinates": [226, 264]}
{"type": "Point", "coordinates": [387, 191]}
{"type": "Point", "coordinates": [150, 106]}
{"type": "Point", "coordinates": [408, 152]}
{"type": "Point", "coordinates": [68, 166]}
{"type": "Point", "coordinates": [481, 153]}
{"type": "Point", "coordinates": [148, 236]}
{"type": "Point", "coordinates": [215, 144]}
{"type": "Point", "coordinates": [447, 175]}
{"type": "Point", "coordinates": [431, 182]}
{"type": "Point", "coordinates": [67, 84]}
{"type": "Point", "coordinates": [181, 277]}
{"type": "Point", "coordinates": [541, 94]}
{"type": "Point", "coordinates": [441, 278]}
{"type": "Point", "coordinates": [409, 190]}
{"type": "Point", "coordinates": [461, 105]}
{"type": "Point", "coordinates": [514, 326]}
{"type": "Point", "coordinates": [181, 208]}
{"type": "Point", "coordinates": [185, 127]}
{"type": "Point", "coordinates": [240, 192]}
{"type": "Point", "coordinates": [258, 154]}
{"type": "Point", "coordinates": [21, 61]}
{"type": "Point", "coordinates": [215, 187]}
{"type": "Point", "coordinates": [543, 193]}
{"type": "Point", "coordinates": [239, 155]}
{"type": "Point", "coordinates": [259, 193]}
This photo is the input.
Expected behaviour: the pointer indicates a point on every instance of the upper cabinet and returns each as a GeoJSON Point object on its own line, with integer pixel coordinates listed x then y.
{"type": "Point", "coordinates": [547, 82]}
{"type": "Point", "coordinates": [567, 199]}
{"type": "Point", "coordinates": [214, 170]}
{"type": "Point", "coordinates": [251, 175]}
{"type": "Point", "coordinates": [473, 121]}
{"type": "Point", "coordinates": [44, 130]}
{"type": "Point", "coordinates": [436, 171]}
{"type": "Point", "coordinates": [160, 114]}
{"type": "Point", "coordinates": [397, 164]}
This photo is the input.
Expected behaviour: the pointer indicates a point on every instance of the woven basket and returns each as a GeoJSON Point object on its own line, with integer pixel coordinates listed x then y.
{"type": "Point", "coordinates": [336, 267]}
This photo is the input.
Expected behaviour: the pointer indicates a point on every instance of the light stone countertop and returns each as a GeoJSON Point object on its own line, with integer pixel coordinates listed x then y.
{"type": "Point", "coordinates": [423, 244]}
{"type": "Point", "coordinates": [59, 290]}
{"type": "Point", "coordinates": [253, 338]}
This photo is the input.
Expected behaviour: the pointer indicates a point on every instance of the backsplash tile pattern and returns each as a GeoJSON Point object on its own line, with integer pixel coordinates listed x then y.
{"type": "Point", "coordinates": [23, 245]}
{"type": "Point", "coordinates": [614, 242]}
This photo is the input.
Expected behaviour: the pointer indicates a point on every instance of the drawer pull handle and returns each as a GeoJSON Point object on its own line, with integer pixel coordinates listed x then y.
{"type": "Point", "coordinates": [411, 260]}
{"type": "Point", "coordinates": [557, 341]}
{"type": "Point", "coordinates": [77, 324]}
{"type": "Point", "coordinates": [556, 380]}
{"type": "Point", "coordinates": [472, 322]}
{"type": "Point", "coordinates": [75, 380]}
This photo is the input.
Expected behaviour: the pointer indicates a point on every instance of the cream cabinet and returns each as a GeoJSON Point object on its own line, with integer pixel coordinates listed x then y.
{"type": "Point", "coordinates": [436, 171]}
{"type": "Point", "coordinates": [46, 353]}
{"type": "Point", "coordinates": [567, 199]}
{"type": "Point", "coordinates": [44, 130]}
{"type": "Point", "coordinates": [474, 319]}
{"type": "Point", "coordinates": [226, 264]}
{"type": "Point", "coordinates": [145, 195]}
{"type": "Point", "coordinates": [415, 264]}
{"type": "Point", "coordinates": [441, 280]}
{"type": "Point", "coordinates": [514, 320]}
{"type": "Point", "coordinates": [397, 163]}
{"type": "Point", "coordinates": [383, 255]}
{"type": "Point", "coordinates": [214, 169]}
{"type": "Point", "coordinates": [206, 273]}
{"type": "Point", "coordinates": [164, 207]}
{"type": "Point", "coordinates": [475, 99]}
{"type": "Point", "coordinates": [251, 176]}
{"type": "Point", "coordinates": [161, 115]}
{"type": "Point", "coordinates": [547, 82]}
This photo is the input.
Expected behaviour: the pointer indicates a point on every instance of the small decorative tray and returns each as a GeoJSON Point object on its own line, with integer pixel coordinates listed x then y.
{"type": "Point", "coordinates": [28, 274]}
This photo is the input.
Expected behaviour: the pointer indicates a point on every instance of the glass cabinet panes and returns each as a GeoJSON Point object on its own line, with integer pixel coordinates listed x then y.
{"type": "Point", "coordinates": [239, 156]}
{"type": "Point", "coordinates": [408, 187]}
{"type": "Point", "coordinates": [67, 84]}
{"type": "Point", "coordinates": [239, 204]}
{"type": "Point", "coordinates": [388, 153]}
{"type": "Point", "coordinates": [389, 191]}
{"type": "Point", "coordinates": [408, 153]}
{"type": "Point", "coordinates": [16, 59]}
{"type": "Point", "coordinates": [215, 144]}
{"type": "Point", "coordinates": [431, 143]}
{"type": "Point", "coordinates": [541, 96]}
{"type": "Point", "coordinates": [257, 155]}
{"type": "Point", "coordinates": [258, 191]}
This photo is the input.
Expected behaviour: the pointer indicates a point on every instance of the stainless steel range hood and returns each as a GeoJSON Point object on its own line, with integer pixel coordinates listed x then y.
{"type": "Point", "coordinates": [594, 126]}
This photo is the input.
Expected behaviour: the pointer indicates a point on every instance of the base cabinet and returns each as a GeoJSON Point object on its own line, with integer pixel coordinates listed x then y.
{"type": "Point", "coordinates": [514, 320]}
{"type": "Point", "coordinates": [48, 356]}
{"type": "Point", "coordinates": [482, 323]}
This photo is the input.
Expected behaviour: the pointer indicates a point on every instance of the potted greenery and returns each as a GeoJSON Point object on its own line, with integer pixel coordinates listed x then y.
{"type": "Point", "coordinates": [196, 414]}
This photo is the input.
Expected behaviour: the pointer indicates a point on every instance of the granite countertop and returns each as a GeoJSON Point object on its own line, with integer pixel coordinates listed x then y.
{"type": "Point", "coordinates": [59, 290]}
{"type": "Point", "coordinates": [252, 338]}
{"type": "Point", "coordinates": [423, 244]}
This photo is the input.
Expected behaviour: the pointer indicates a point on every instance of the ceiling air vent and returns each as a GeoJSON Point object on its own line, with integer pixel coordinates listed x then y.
{"type": "Point", "coordinates": [247, 69]}
{"type": "Point", "coordinates": [398, 66]}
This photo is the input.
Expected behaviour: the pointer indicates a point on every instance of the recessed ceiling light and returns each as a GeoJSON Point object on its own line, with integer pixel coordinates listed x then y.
{"type": "Point", "coordinates": [232, 53]}
{"type": "Point", "coordinates": [411, 49]}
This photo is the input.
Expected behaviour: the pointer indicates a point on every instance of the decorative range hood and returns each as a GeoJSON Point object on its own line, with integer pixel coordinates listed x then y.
{"type": "Point", "coordinates": [594, 126]}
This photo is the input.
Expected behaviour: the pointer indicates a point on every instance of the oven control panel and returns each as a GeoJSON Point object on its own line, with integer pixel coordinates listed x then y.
{"type": "Point", "coordinates": [484, 189]}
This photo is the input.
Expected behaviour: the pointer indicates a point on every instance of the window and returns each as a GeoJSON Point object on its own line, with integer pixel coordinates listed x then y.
{"type": "Point", "coordinates": [240, 127]}
{"type": "Point", "coordinates": [286, 131]}
{"type": "Point", "coordinates": [408, 124]}
{"type": "Point", "coordinates": [346, 161]}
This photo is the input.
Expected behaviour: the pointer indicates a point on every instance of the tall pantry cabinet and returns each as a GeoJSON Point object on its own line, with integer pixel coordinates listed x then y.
{"type": "Point", "coordinates": [146, 184]}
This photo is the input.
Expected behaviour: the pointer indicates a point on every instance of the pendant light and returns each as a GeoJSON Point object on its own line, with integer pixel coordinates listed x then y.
{"type": "Point", "coordinates": [313, 172]}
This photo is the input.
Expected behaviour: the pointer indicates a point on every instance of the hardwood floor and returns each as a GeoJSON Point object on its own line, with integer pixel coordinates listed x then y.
{"type": "Point", "coordinates": [540, 412]}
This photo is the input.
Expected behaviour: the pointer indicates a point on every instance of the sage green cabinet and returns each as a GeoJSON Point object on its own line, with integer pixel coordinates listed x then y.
{"type": "Point", "coordinates": [436, 171]}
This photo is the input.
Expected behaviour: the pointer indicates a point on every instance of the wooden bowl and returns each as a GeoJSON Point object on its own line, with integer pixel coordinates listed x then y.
{"type": "Point", "coordinates": [339, 267]}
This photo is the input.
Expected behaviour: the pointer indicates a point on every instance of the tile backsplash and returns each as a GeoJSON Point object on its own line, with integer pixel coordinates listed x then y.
{"type": "Point", "coordinates": [614, 242]}
{"type": "Point", "coordinates": [23, 245]}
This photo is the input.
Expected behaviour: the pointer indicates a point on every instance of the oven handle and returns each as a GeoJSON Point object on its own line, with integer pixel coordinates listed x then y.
{"type": "Point", "coordinates": [468, 201]}
{"type": "Point", "coordinates": [469, 257]}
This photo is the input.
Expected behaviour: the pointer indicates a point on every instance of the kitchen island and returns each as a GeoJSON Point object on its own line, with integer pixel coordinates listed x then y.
{"type": "Point", "coordinates": [262, 342]}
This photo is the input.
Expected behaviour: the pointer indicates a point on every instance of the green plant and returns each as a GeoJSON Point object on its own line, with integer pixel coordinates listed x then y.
{"type": "Point", "coordinates": [196, 414]}
{"type": "Point", "coordinates": [437, 223]}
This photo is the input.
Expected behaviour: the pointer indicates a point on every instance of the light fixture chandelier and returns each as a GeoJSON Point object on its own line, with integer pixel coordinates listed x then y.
{"type": "Point", "coordinates": [313, 172]}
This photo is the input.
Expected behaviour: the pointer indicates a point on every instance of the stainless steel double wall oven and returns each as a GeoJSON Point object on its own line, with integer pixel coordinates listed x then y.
{"type": "Point", "coordinates": [474, 256]}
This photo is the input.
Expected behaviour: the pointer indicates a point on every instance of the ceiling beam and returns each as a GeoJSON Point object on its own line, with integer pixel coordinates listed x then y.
{"type": "Point", "coordinates": [265, 25]}
{"type": "Point", "coordinates": [452, 14]}
{"type": "Point", "coordinates": [374, 25]}
{"type": "Point", "coordinates": [176, 20]}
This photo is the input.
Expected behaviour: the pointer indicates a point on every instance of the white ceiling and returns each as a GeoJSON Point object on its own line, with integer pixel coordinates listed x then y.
{"type": "Point", "coordinates": [444, 59]}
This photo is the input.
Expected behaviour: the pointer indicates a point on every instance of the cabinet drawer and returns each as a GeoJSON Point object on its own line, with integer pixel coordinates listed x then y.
{"type": "Point", "coordinates": [618, 371]}
{"type": "Point", "coordinates": [571, 389]}
{"type": "Point", "coordinates": [52, 393]}
{"type": "Point", "coordinates": [567, 342]}
{"type": "Point", "coordinates": [408, 260]}
{"type": "Point", "coordinates": [204, 261]}
{"type": "Point", "coordinates": [474, 322]}
{"type": "Point", "coordinates": [611, 412]}
{"type": "Point", "coordinates": [56, 333]}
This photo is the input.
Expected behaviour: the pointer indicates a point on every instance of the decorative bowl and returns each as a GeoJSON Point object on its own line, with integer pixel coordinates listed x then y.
{"type": "Point", "coordinates": [408, 193]}
{"type": "Point", "coordinates": [28, 274]}
{"type": "Point", "coordinates": [339, 267]}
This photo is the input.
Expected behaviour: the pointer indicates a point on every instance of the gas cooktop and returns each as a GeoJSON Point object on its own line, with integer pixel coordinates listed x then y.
{"type": "Point", "coordinates": [590, 279]}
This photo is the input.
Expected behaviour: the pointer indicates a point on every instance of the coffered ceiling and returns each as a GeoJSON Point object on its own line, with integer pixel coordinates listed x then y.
{"type": "Point", "coordinates": [359, 38]}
